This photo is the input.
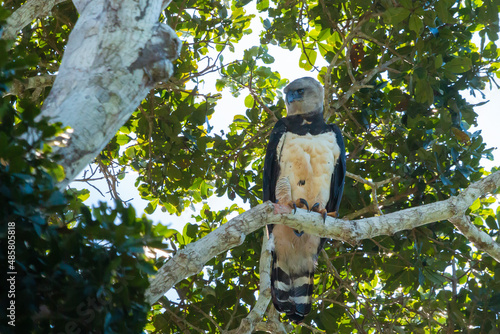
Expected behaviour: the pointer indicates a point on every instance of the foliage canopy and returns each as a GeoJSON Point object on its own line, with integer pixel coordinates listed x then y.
{"type": "Point", "coordinates": [395, 73]}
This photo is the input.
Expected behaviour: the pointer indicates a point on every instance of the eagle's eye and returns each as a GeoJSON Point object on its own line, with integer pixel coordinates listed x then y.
{"type": "Point", "coordinates": [300, 91]}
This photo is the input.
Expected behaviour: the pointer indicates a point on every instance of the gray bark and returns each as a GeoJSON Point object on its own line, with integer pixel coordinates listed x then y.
{"type": "Point", "coordinates": [28, 12]}
{"type": "Point", "coordinates": [115, 54]}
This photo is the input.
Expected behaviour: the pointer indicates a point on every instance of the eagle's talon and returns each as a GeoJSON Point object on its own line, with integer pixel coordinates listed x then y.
{"type": "Point", "coordinates": [297, 233]}
{"type": "Point", "coordinates": [301, 203]}
{"type": "Point", "coordinates": [333, 214]}
{"type": "Point", "coordinates": [324, 214]}
{"type": "Point", "coordinates": [315, 207]}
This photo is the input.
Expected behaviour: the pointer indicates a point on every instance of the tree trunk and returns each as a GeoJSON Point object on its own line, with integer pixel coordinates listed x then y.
{"type": "Point", "coordinates": [115, 54]}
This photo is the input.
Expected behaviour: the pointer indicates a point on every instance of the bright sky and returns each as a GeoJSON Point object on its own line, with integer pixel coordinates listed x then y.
{"type": "Point", "coordinates": [287, 65]}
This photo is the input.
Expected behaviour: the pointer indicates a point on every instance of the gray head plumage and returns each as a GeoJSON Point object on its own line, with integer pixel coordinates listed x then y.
{"type": "Point", "coordinates": [303, 96]}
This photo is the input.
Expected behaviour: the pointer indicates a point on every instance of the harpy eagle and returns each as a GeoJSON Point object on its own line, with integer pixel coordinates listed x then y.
{"type": "Point", "coordinates": [305, 165]}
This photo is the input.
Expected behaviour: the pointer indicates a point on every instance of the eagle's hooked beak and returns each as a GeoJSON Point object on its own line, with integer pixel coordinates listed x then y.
{"type": "Point", "coordinates": [296, 95]}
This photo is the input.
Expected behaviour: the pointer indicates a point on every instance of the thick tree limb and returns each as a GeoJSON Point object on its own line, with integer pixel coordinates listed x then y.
{"type": "Point", "coordinates": [115, 54]}
{"type": "Point", "coordinates": [480, 239]}
{"type": "Point", "coordinates": [193, 257]}
{"type": "Point", "coordinates": [27, 13]}
{"type": "Point", "coordinates": [33, 9]}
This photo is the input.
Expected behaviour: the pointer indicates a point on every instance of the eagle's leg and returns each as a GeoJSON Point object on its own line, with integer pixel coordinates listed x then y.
{"type": "Point", "coordinates": [284, 193]}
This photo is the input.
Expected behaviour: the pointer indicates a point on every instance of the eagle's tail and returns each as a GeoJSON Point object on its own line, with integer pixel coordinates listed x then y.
{"type": "Point", "coordinates": [291, 291]}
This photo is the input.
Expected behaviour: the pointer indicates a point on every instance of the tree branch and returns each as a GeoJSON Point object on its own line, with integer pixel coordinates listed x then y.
{"type": "Point", "coordinates": [480, 239]}
{"type": "Point", "coordinates": [272, 327]}
{"type": "Point", "coordinates": [372, 184]}
{"type": "Point", "coordinates": [37, 83]}
{"type": "Point", "coordinates": [193, 257]}
{"type": "Point", "coordinates": [115, 54]}
{"type": "Point", "coordinates": [25, 14]}
{"type": "Point", "coordinates": [375, 206]}
{"type": "Point", "coordinates": [248, 324]}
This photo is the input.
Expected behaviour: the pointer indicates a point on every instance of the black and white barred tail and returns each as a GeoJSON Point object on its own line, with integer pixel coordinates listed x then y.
{"type": "Point", "coordinates": [291, 292]}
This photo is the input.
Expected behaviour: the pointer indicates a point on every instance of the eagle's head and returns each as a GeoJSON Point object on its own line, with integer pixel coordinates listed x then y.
{"type": "Point", "coordinates": [304, 96]}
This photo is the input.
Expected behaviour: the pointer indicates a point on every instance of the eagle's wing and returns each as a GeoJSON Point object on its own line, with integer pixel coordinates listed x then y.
{"type": "Point", "coordinates": [271, 163]}
{"type": "Point", "coordinates": [337, 182]}
{"type": "Point", "coordinates": [338, 177]}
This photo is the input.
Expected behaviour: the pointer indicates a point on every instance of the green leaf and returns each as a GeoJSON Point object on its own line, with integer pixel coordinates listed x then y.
{"type": "Point", "coordinates": [130, 152]}
{"type": "Point", "coordinates": [458, 65]}
{"type": "Point", "coordinates": [492, 223]}
{"type": "Point", "coordinates": [262, 5]}
{"type": "Point", "coordinates": [122, 139]}
{"type": "Point", "coordinates": [424, 92]}
{"type": "Point", "coordinates": [191, 230]}
{"type": "Point", "coordinates": [476, 205]}
{"type": "Point", "coordinates": [56, 199]}
{"type": "Point", "coordinates": [240, 118]}
{"type": "Point", "coordinates": [57, 172]}
{"type": "Point", "coordinates": [308, 58]}
{"type": "Point", "coordinates": [442, 8]}
{"type": "Point", "coordinates": [416, 24]}
{"type": "Point", "coordinates": [151, 207]}
{"type": "Point", "coordinates": [438, 61]}
{"type": "Point", "coordinates": [249, 101]}
{"type": "Point", "coordinates": [395, 15]}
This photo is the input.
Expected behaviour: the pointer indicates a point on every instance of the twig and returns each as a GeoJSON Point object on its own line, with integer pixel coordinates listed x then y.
{"type": "Point", "coordinates": [259, 101]}
{"type": "Point", "coordinates": [149, 119]}
{"type": "Point", "coordinates": [208, 317]}
{"type": "Point", "coordinates": [272, 327]}
{"type": "Point", "coordinates": [256, 97]}
{"type": "Point", "coordinates": [179, 13]}
{"type": "Point", "coordinates": [354, 88]}
{"type": "Point", "coordinates": [301, 37]}
{"type": "Point", "coordinates": [372, 184]}
{"type": "Point", "coordinates": [110, 179]}
{"type": "Point", "coordinates": [312, 329]}
{"type": "Point", "coordinates": [336, 274]}
{"type": "Point", "coordinates": [383, 203]}
{"type": "Point", "coordinates": [366, 302]}
{"type": "Point", "coordinates": [235, 309]}
{"type": "Point", "coordinates": [179, 320]}
{"type": "Point", "coordinates": [369, 38]}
